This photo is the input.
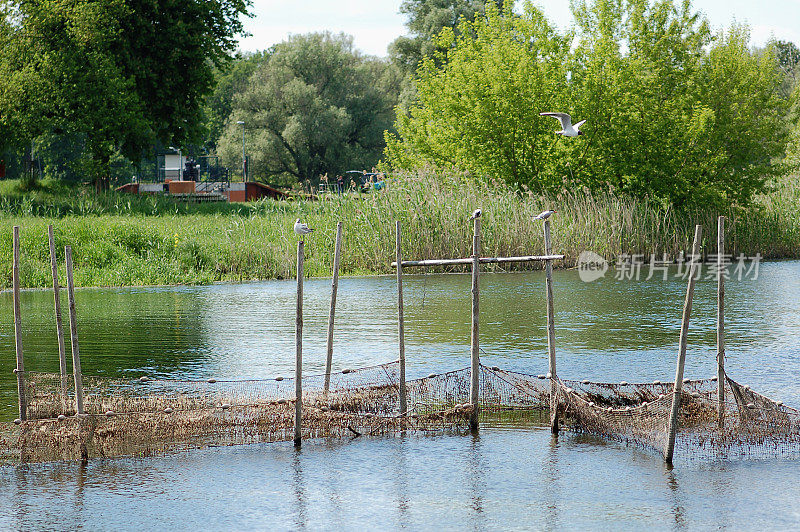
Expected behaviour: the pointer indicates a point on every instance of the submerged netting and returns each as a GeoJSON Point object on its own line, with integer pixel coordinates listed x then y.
{"type": "Point", "coordinates": [752, 424]}
{"type": "Point", "coordinates": [144, 416]}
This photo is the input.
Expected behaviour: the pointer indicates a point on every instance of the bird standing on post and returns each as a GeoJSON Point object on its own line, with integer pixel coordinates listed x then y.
{"type": "Point", "coordinates": [476, 214]}
{"type": "Point", "coordinates": [567, 129]}
{"type": "Point", "coordinates": [301, 228]}
{"type": "Point", "coordinates": [544, 215]}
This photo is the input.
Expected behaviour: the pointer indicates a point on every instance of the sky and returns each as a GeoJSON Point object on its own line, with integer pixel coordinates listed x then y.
{"type": "Point", "coordinates": [375, 23]}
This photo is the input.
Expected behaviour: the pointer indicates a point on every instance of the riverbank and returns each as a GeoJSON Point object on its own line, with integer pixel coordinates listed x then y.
{"type": "Point", "coordinates": [121, 240]}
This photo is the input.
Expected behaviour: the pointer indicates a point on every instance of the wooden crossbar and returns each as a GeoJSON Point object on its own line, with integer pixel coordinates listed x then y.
{"type": "Point", "coordinates": [482, 260]}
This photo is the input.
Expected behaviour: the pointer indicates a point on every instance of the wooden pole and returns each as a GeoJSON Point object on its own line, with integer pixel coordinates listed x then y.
{"type": "Point", "coordinates": [687, 311]}
{"type": "Point", "coordinates": [334, 289]}
{"type": "Point", "coordinates": [551, 330]}
{"type": "Point", "coordinates": [73, 332]}
{"type": "Point", "coordinates": [400, 324]}
{"type": "Point", "coordinates": [720, 321]}
{"type": "Point", "coordinates": [20, 371]}
{"type": "Point", "coordinates": [62, 356]}
{"type": "Point", "coordinates": [482, 260]}
{"type": "Point", "coordinates": [298, 341]}
{"type": "Point", "coordinates": [475, 369]}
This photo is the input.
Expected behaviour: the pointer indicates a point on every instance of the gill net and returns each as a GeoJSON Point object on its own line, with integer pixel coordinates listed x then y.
{"type": "Point", "coordinates": [145, 416]}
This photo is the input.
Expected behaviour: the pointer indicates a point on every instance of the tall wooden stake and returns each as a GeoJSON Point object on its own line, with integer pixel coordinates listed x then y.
{"type": "Point", "coordinates": [20, 371]}
{"type": "Point", "coordinates": [400, 324]}
{"type": "Point", "coordinates": [551, 331]}
{"type": "Point", "coordinates": [334, 289]}
{"type": "Point", "coordinates": [721, 321]}
{"type": "Point", "coordinates": [298, 341]}
{"type": "Point", "coordinates": [475, 369]}
{"type": "Point", "coordinates": [62, 356]}
{"type": "Point", "coordinates": [73, 331]}
{"type": "Point", "coordinates": [687, 311]}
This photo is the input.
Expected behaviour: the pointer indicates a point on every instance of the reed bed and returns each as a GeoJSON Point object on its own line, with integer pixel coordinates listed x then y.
{"type": "Point", "coordinates": [120, 240]}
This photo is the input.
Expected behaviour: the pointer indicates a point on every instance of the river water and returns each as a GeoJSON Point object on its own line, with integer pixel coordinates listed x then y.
{"type": "Point", "coordinates": [505, 477]}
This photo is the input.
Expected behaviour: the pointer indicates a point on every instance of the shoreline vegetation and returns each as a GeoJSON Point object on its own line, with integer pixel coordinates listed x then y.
{"type": "Point", "coordinates": [126, 240]}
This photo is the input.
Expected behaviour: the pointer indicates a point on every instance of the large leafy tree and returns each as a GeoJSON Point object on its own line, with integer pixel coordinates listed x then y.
{"type": "Point", "coordinates": [315, 106]}
{"type": "Point", "coordinates": [674, 112]}
{"type": "Point", "coordinates": [681, 115]}
{"type": "Point", "coordinates": [118, 75]}
{"type": "Point", "coordinates": [230, 80]}
{"type": "Point", "coordinates": [479, 112]}
{"type": "Point", "coordinates": [789, 64]}
{"type": "Point", "coordinates": [426, 19]}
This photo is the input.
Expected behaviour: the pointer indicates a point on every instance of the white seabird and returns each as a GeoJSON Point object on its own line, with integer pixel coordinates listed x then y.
{"type": "Point", "coordinates": [301, 228]}
{"type": "Point", "coordinates": [544, 215]}
{"type": "Point", "coordinates": [476, 214]}
{"type": "Point", "coordinates": [567, 129]}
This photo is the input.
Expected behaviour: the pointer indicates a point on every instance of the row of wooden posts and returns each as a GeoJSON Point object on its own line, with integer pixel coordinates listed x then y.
{"type": "Point", "coordinates": [73, 327]}
{"type": "Point", "coordinates": [475, 261]}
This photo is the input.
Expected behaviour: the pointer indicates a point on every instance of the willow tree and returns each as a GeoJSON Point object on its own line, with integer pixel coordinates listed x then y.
{"type": "Point", "coordinates": [314, 106]}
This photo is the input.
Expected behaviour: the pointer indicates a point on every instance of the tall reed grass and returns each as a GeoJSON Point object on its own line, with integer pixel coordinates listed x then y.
{"type": "Point", "coordinates": [122, 240]}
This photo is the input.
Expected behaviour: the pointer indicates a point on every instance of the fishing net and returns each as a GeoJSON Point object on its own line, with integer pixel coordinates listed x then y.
{"type": "Point", "coordinates": [145, 416]}
{"type": "Point", "coordinates": [752, 425]}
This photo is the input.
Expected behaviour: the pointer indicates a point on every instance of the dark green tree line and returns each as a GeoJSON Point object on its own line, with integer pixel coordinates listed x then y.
{"type": "Point", "coordinates": [116, 76]}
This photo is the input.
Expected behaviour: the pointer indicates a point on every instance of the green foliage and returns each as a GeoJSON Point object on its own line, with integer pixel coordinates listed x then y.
{"type": "Point", "coordinates": [674, 112]}
{"type": "Point", "coordinates": [112, 75]}
{"type": "Point", "coordinates": [426, 19]}
{"type": "Point", "coordinates": [170, 49]}
{"type": "Point", "coordinates": [230, 79]}
{"type": "Point", "coordinates": [789, 64]}
{"type": "Point", "coordinates": [480, 111]}
{"type": "Point", "coordinates": [314, 106]}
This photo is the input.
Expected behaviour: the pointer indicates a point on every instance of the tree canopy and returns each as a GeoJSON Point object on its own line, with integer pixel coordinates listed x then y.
{"type": "Point", "coordinates": [674, 112]}
{"type": "Point", "coordinates": [313, 106]}
{"type": "Point", "coordinates": [118, 75]}
{"type": "Point", "coordinates": [426, 19]}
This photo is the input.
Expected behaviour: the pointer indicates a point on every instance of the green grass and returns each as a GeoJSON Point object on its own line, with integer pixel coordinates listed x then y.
{"type": "Point", "coordinates": [120, 240]}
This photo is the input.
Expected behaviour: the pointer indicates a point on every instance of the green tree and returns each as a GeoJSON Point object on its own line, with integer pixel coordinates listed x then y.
{"type": "Point", "coordinates": [479, 112]}
{"type": "Point", "coordinates": [789, 63]}
{"type": "Point", "coordinates": [170, 49]}
{"type": "Point", "coordinates": [681, 115]}
{"type": "Point", "coordinates": [230, 79]}
{"type": "Point", "coordinates": [62, 79]}
{"type": "Point", "coordinates": [315, 106]}
{"type": "Point", "coordinates": [674, 112]}
{"type": "Point", "coordinates": [426, 19]}
{"type": "Point", "coordinates": [117, 74]}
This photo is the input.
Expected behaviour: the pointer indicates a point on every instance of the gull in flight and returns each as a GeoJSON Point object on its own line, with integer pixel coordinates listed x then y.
{"type": "Point", "coordinates": [567, 129]}
{"type": "Point", "coordinates": [301, 228]}
{"type": "Point", "coordinates": [544, 215]}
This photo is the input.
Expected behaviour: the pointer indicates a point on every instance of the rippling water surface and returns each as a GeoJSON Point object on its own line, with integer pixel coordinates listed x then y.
{"type": "Point", "coordinates": [506, 477]}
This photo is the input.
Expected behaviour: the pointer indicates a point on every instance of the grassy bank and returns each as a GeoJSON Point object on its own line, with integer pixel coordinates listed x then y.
{"type": "Point", "coordinates": [128, 240]}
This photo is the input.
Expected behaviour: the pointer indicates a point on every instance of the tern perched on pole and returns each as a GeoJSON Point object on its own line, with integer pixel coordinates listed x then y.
{"type": "Point", "coordinates": [301, 228]}
{"type": "Point", "coordinates": [544, 215]}
{"type": "Point", "coordinates": [567, 129]}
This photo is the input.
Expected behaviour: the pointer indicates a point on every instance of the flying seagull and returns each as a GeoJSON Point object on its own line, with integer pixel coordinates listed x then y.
{"type": "Point", "coordinates": [567, 129]}
{"type": "Point", "coordinates": [544, 216]}
{"type": "Point", "coordinates": [301, 228]}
